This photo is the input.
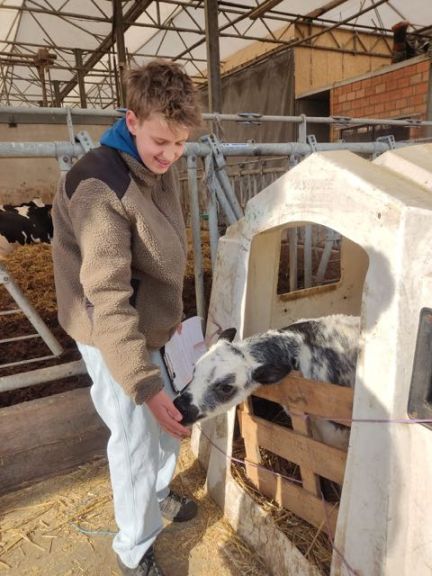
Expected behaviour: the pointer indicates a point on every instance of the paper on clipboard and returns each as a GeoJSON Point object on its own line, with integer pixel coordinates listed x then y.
{"type": "Point", "coordinates": [183, 350]}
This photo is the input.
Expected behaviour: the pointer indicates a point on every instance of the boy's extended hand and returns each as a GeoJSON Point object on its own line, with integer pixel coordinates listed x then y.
{"type": "Point", "coordinates": [167, 415]}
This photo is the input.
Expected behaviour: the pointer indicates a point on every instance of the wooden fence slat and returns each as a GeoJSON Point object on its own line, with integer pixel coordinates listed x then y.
{"type": "Point", "coordinates": [317, 398]}
{"type": "Point", "coordinates": [311, 481]}
{"type": "Point", "coordinates": [251, 446]}
{"type": "Point", "coordinates": [314, 510]}
{"type": "Point", "coordinates": [323, 460]}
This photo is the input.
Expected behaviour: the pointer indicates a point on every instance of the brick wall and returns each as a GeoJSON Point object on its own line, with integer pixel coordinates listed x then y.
{"type": "Point", "coordinates": [400, 91]}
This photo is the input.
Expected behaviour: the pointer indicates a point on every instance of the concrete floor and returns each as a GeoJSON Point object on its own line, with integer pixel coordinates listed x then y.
{"type": "Point", "coordinates": [63, 527]}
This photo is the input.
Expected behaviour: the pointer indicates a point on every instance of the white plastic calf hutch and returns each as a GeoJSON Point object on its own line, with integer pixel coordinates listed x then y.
{"type": "Point", "coordinates": [383, 210]}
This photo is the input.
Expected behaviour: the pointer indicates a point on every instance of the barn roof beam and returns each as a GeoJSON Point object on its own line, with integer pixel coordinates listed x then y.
{"type": "Point", "coordinates": [133, 13]}
{"type": "Point", "coordinates": [325, 8]}
{"type": "Point", "coordinates": [296, 41]}
{"type": "Point", "coordinates": [327, 29]}
{"type": "Point", "coordinates": [229, 7]}
{"type": "Point", "coordinates": [68, 49]}
{"type": "Point", "coordinates": [6, 89]}
{"type": "Point", "coordinates": [295, 17]}
{"type": "Point", "coordinates": [260, 10]}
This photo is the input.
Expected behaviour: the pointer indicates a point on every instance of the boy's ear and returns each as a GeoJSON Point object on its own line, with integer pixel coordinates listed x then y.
{"type": "Point", "coordinates": [269, 373]}
{"type": "Point", "coordinates": [228, 334]}
{"type": "Point", "coordinates": [131, 121]}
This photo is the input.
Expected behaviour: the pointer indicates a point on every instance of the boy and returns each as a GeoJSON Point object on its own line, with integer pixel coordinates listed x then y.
{"type": "Point", "coordinates": [119, 254]}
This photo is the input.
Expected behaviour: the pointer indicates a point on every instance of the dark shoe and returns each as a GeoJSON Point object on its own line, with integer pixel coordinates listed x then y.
{"type": "Point", "coordinates": [178, 508]}
{"type": "Point", "coordinates": [147, 566]}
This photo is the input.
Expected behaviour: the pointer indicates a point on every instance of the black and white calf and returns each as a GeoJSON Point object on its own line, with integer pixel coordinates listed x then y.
{"type": "Point", "coordinates": [321, 349]}
{"type": "Point", "coordinates": [26, 223]}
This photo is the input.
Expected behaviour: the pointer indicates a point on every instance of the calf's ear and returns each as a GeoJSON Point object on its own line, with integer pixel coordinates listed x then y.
{"type": "Point", "coordinates": [228, 334]}
{"type": "Point", "coordinates": [269, 373]}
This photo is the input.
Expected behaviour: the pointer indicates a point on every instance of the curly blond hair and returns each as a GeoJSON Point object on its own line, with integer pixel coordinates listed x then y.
{"type": "Point", "coordinates": [163, 87]}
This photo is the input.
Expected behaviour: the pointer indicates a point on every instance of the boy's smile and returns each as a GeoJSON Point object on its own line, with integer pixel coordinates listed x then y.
{"type": "Point", "coordinates": [158, 142]}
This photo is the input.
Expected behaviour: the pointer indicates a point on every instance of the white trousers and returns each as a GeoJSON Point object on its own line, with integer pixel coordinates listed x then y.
{"type": "Point", "coordinates": [141, 456]}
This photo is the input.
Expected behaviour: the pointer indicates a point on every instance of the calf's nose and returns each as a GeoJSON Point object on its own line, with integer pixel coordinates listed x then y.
{"type": "Point", "coordinates": [190, 413]}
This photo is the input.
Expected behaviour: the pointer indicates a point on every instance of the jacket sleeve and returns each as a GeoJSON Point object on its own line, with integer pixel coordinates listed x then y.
{"type": "Point", "coordinates": [103, 232]}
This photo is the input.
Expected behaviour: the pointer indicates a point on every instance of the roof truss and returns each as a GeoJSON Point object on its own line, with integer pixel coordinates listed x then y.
{"type": "Point", "coordinates": [55, 52]}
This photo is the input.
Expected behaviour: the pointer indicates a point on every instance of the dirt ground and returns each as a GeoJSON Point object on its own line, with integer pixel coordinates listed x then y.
{"type": "Point", "coordinates": [64, 527]}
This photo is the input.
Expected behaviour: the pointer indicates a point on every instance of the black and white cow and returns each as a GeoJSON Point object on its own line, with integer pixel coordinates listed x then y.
{"type": "Point", "coordinates": [26, 223]}
{"type": "Point", "coordinates": [321, 349]}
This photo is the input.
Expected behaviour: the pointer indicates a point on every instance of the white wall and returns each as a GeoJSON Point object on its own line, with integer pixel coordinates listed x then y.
{"type": "Point", "coordinates": [25, 178]}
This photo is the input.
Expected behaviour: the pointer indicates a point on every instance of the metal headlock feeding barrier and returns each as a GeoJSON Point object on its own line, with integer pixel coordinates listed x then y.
{"type": "Point", "coordinates": [221, 200]}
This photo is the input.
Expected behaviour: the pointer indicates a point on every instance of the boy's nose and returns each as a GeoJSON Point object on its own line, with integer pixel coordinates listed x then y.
{"type": "Point", "coordinates": [169, 155]}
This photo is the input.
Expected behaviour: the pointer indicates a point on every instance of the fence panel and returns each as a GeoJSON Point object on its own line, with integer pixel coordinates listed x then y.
{"type": "Point", "coordinates": [314, 460]}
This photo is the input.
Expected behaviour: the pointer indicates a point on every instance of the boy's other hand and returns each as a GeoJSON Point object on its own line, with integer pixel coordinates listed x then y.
{"type": "Point", "coordinates": [167, 415]}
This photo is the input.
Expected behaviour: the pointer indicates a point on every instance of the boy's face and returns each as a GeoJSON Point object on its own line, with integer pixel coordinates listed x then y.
{"type": "Point", "coordinates": [159, 143]}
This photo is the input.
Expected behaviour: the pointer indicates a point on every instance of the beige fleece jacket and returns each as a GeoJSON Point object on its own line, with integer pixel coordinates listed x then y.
{"type": "Point", "coordinates": [119, 255]}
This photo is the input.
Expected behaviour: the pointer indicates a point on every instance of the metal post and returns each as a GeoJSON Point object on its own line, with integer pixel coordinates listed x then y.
{"type": "Point", "coordinates": [41, 72]}
{"type": "Point", "coordinates": [212, 209]}
{"type": "Point", "coordinates": [196, 236]}
{"type": "Point", "coordinates": [229, 192]}
{"type": "Point", "coordinates": [302, 131]}
{"type": "Point", "coordinates": [213, 59]}
{"type": "Point", "coordinates": [307, 255]}
{"type": "Point", "coordinates": [223, 201]}
{"type": "Point", "coordinates": [221, 175]}
{"type": "Point", "coordinates": [118, 26]}
{"type": "Point", "coordinates": [57, 97]}
{"type": "Point", "coordinates": [331, 236]}
{"type": "Point", "coordinates": [80, 76]}
{"type": "Point", "coordinates": [292, 236]}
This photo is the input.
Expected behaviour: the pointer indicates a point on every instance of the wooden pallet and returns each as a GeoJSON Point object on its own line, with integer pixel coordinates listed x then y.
{"type": "Point", "coordinates": [315, 459]}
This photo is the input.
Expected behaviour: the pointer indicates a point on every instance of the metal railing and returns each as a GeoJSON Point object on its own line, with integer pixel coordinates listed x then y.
{"type": "Point", "coordinates": [227, 194]}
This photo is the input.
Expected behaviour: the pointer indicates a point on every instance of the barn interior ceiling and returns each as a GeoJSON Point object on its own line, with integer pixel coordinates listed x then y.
{"type": "Point", "coordinates": [72, 52]}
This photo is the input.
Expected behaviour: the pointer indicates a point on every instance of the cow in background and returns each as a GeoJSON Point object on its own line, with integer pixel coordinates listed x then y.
{"type": "Point", "coordinates": [26, 223]}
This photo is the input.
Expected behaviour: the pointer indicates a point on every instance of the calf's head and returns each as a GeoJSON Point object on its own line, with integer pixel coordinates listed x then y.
{"type": "Point", "coordinates": [225, 376]}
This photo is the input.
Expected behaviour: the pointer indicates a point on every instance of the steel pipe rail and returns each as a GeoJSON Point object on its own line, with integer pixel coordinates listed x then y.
{"type": "Point", "coordinates": [40, 149]}
{"type": "Point", "coordinates": [291, 148]}
{"type": "Point", "coordinates": [41, 375]}
{"type": "Point", "coordinates": [257, 118]}
{"type": "Point", "coordinates": [29, 310]}
{"type": "Point", "coordinates": [56, 149]}
{"type": "Point", "coordinates": [251, 117]}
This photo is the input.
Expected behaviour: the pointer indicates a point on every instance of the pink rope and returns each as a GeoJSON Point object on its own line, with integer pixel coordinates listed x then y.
{"type": "Point", "coordinates": [244, 462]}
{"type": "Point", "coordinates": [368, 420]}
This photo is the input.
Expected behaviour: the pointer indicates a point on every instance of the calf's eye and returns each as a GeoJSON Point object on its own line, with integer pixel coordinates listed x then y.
{"type": "Point", "coordinates": [227, 389]}
{"type": "Point", "coordinates": [224, 386]}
